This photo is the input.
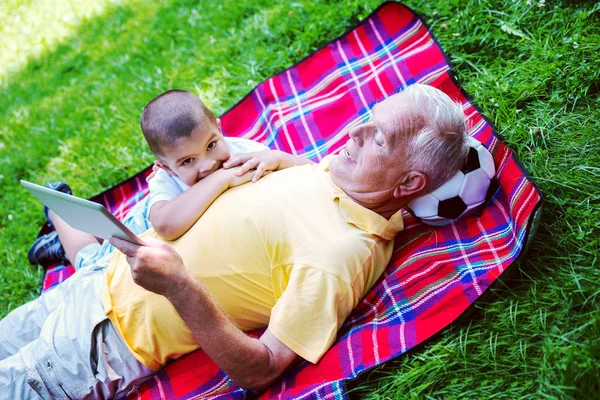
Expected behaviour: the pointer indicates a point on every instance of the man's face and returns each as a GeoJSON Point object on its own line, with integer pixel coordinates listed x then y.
{"type": "Point", "coordinates": [197, 156]}
{"type": "Point", "coordinates": [374, 159]}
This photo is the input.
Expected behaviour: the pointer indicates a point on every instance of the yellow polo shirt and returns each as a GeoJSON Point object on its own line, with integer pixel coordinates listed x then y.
{"type": "Point", "coordinates": [290, 251]}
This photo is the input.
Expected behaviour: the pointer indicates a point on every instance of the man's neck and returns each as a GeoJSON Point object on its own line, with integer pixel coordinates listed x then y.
{"type": "Point", "coordinates": [380, 203]}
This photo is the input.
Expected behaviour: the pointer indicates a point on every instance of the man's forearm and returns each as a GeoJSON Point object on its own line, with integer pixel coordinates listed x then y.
{"type": "Point", "coordinates": [246, 360]}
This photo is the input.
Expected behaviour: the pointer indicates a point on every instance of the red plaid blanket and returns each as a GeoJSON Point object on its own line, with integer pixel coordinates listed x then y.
{"type": "Point", "coordinates": [435, 273]}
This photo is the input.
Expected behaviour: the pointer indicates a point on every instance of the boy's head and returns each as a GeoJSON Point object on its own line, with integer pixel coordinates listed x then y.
{"type": "Point", "coordinates": [184, 135]}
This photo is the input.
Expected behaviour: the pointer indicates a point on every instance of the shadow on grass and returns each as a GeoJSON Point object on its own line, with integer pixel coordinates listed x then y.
{"type": "Point", "coordinates": [132, 55]}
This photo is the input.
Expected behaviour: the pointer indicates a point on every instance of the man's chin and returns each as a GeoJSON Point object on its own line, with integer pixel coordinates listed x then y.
{"type": "Point", "coordinates": [337, 170]}
{"type": "Point", "coordinates": [335, 163]}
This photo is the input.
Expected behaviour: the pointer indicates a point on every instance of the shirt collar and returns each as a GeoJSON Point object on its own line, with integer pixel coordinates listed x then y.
{"type": "Point", "coordinates": [357, 215]}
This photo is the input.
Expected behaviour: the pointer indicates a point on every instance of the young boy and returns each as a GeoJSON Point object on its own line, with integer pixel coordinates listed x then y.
{"type": "Point", "coordinates": [194, 165]}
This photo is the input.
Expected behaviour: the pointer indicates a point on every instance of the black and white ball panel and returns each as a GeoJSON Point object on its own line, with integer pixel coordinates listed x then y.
{"type": "Point", "coordinates": [451, 208]}
{"type": "Point", "coordinates": [472, 161]}
{"type": "Point", "coordinates": [486, 161]}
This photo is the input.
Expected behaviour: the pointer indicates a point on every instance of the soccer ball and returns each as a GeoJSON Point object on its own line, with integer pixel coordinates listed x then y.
{"type": "Point", "coordinates": [463, 194]}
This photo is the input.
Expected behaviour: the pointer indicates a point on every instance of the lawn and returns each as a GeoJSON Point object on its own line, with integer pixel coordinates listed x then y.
{"type": "Point", "coordinates": [74, 77]}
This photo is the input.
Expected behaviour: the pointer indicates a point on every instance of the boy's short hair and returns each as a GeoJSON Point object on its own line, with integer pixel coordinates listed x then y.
{"type": "Point", "coordinates": [172, 116]}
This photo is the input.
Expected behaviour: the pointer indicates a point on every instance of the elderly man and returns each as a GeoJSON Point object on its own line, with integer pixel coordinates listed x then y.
{"type": "Point", "coordinates": [294, 252]}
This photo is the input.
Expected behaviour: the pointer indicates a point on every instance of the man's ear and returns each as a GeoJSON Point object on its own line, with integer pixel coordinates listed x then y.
{"type": "Point", "coordinates": [164, 166]}
{"type": "Point", "coordinates": [411, 184]}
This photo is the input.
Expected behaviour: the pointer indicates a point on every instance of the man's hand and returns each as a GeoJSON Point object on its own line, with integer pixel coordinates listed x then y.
{"type": "Point", "coordinates": [251, 363]}
{"type": "Point", "coordinates": [260, 161]}
{"type": "Point", "coordinates": [156, 266]}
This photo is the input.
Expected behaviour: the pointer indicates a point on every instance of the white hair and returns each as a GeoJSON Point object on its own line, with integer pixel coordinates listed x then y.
{"type": "Point", "coordinates": [441, 146]}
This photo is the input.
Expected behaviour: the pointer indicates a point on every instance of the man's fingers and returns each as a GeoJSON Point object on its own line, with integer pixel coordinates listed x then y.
{"type": "Point", "coordinates": [127, 248]}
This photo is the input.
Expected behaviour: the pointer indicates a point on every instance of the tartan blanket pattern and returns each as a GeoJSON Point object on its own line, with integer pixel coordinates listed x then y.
{"type": "Point", "coordinates": [118, 200]}
{"type": "Point", "coordinates": [435, 273]}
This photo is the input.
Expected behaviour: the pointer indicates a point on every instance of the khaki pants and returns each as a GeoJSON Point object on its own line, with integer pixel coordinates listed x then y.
{"type": "Point", "coordinates": [62, 346]}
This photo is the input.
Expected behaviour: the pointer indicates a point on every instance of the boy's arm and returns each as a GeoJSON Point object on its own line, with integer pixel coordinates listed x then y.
{"type": "Point", "coordinates": [171, 219]}
{"type": "Point", "coordinates": [261, 161]}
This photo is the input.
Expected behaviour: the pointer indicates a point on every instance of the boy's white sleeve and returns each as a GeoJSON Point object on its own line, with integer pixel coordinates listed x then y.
{"type": "Point", "coordinates": [163, 187]}
{"type": "Point", "coordinates": [240, 145]}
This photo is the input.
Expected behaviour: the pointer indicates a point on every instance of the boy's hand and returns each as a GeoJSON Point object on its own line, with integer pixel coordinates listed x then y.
{"type": "Point", "coordinates": [232, 177]}
{"type": "Point", "coordinates": [237, 177]}
{"type": "Point", "coordinates": [155, 168]}
{"type": "Point", "coordinates": [260, 161]}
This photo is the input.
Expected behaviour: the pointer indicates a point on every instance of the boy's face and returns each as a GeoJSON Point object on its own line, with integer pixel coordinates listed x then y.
{"type": "Point", "coordinates": [197, 156]}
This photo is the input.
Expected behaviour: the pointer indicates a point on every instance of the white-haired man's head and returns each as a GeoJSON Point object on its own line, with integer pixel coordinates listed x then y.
{"type": "Point", "coordinates": [440, 147]}
{"type": "Point", "coordinates": [415, 141]}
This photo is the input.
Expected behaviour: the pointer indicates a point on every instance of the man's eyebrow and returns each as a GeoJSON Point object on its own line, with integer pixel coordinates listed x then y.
{"type": "Point", "coordinates": [373, 110]}
{"type": "Point", "coordinates": [373, 120]}
{"type": "Point", "coordinates": [377, 125]}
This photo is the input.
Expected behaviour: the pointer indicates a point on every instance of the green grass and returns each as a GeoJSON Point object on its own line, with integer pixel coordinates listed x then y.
{"type": "Point", "coordinates": [71, 95]}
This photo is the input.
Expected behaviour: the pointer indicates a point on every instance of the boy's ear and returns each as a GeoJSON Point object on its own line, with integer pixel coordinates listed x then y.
{"type": "Point", "coordinates": [219, 125]}
{"type": "Point", "coordinates": [410, 185]}
{"type": "Point", "coordinates": [164, 166]}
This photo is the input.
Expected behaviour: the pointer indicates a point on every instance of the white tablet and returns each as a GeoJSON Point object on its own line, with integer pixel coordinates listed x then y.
{"type": "Point", "coordinates": [82, 214]}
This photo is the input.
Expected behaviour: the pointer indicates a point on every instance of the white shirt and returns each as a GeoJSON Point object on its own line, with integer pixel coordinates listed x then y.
{"type": "Point", "coordinates": [164, 187]}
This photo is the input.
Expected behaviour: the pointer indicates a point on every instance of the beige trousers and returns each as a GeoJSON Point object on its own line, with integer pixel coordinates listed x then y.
{"type": "Point", "coordinates": [62, 346]}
